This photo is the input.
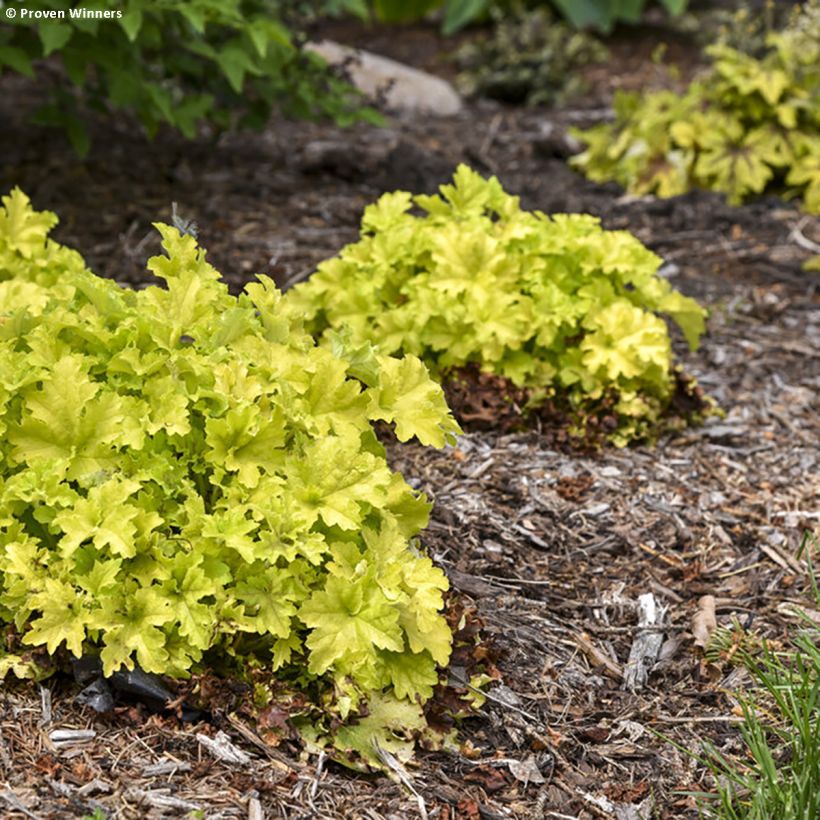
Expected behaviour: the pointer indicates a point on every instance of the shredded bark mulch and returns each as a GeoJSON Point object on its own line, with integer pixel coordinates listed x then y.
{"type": "Point", "coordinates": [550, 549]}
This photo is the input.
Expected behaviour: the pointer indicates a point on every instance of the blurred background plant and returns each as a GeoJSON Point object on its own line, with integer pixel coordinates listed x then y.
{"type": "Point", "coordinates": [739, 26]}
{"type": "Point", "coordinates": [527, 57]}
{"type": "Point", "coordinates": [225, 62]}
{"type": "Point", "coordinates": [232, 63]}
{"type": "Point", "coordinates": [746, 126]}
{"type": "Point", "coordinates": [602, 15]}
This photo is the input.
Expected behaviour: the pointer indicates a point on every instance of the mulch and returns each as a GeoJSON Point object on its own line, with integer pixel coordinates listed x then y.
{"type": "Point", "coordinates": [547, 549]}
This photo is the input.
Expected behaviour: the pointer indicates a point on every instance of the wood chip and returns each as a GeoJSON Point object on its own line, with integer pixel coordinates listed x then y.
{"type": "Point", "coordinates": [647, 644]}
{"type": "Point", "coordinates": [95, 786]}
{"type": "Point", "coordinates": [526, 771]}
{"type": "Point", "coordinates": [255, 809]}
{"type": "Point", "coordinates": [45, 704]}
{"type": "Point", "coordinates": [161, 800]}
{"type": "Point", "coordinates": [61, 738]}
{"type": "Point", "coordinates": [222, 749]}
{"type": "Point", "coordinates": [782, 559]}
{"type": "Point", "coordinates": [166, 767]}
{"type": "Point", "coordinates": [11, 799]}
{"type": "Point", "coordinates": [597, 658]}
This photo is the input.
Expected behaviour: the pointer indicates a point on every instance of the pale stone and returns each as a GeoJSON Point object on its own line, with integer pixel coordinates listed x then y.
{"type": "Point", "coordinates": [399, 87]}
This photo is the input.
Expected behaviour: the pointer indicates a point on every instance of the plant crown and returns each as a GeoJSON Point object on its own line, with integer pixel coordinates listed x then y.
{"type": "Point", "coordinates": [750, 125]}
{"type": "Point", "coordinates": [183, 471]}
{"type": "Point", "coordinates": [555, 304]}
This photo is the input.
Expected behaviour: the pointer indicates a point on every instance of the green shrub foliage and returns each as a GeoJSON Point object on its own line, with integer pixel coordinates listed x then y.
{"type": "Point", "coordinates": [176, 63]}
{"type": "Point", "coordinates": [749, 125]}
{"type": "Point", "coordinates": [555, 304]}
{"type": "Point", "coordinates": [183, 471]}
{"type": "Point", "coordinates": [528, 58]}
{"type": "Point", "coordinates": [602, 15]}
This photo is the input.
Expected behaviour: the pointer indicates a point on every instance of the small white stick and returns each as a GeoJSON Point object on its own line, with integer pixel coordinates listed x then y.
{"type": "Point", "coordinates": [647, 643]}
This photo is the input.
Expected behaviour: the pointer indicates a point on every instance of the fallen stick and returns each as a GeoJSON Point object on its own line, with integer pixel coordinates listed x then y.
{"type": "Point", "coordinates": [646, 645]}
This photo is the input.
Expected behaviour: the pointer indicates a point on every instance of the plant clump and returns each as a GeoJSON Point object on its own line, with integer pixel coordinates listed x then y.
{"type": "Point", "coordinates": [601, 15]}
{"type": "Point", "coordinates": [529, 58]}
{"type": "Point", "coordinates": [554, 304]}
{"type": "Point", "coordinates": [220, 62]}
{"type": "Point", "coordinates": [185, 476]}
{"type": "Point", "coordinates": [750, 125]}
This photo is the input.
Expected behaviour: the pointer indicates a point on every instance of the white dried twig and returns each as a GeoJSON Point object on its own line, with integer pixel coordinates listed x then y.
{"type": "Point", "coordinates": [160, 800]}
{"type": "Point", "coordinates": [801, 239]}
{"type": "Point", "coordinates": [314, 787]}
{"type": "Point", "coordinates": [255, 809]}
{"type": "Point", "coordinates": [166, 767]}
{"type": "Point", "coordinates": [222, 749]}
{"type": "Point", "coordinates": [70, 737]}
{"type": "Point", "coordinates": [646, 645]}
{"type": "Point", "coordinates": [11, 798]}
{"type": "Point", "coordinates": [392, 763]}
{"type": "Point", "coordinates": [45, 705]}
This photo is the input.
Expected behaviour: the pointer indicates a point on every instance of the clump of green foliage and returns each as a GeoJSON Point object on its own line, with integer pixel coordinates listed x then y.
{"type": "Point", "coordinates": [752, 124]}
{"type": "Point", "coordinates": [742, 28]}
{"type": "Point", "coordinates": [602, 15]}
{"type": "Point", "coordinates": [779, 773]}
{"type": "Point", "coordinates": [221, 61]}
{"type": "Point", "coordinates": [555, 304]}
{"type": "Point", "coordinates": [185, 476]}
{"type": "Point", "coordinates": [528, 58]}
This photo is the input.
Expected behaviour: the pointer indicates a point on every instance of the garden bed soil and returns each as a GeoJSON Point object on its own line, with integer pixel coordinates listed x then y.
{"type": "Point", "coordinates": [547, 548]}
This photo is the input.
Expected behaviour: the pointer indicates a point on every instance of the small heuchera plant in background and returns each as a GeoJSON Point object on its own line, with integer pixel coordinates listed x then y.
{"type": "Point", "coordinates": [185, 475]}
{"type": "Point", "coordinates": [528, 57]}
{"type": "Point", "coordinates": [750, 125]}
{"type": "Point", "coordinates": [555, 305]}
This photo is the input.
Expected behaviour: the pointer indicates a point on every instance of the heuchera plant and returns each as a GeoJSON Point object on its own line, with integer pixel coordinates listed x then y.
{"type": "Point", "coordinates": [528, 57]}
{"type": "Point", "coordinates": [555, 304]}
{"type": "Point", "coordinates": [183, 472]}
{"type": "Point", "coordinates": [749, 125]}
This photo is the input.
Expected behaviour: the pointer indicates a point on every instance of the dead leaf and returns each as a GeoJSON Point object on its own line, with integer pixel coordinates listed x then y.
{"type": "Point", "coordinates": [555, 736]}
{"type": "Point", "coordinates": [526, 771]}
{"type": "Point", "coordinates": [595, 734]}
{"type": "Point", "coordinates": [468, 809]}
{"type": "Point", "coordinates": [704, 621]}
{"type": "Point", "coordinates": [489, 778]}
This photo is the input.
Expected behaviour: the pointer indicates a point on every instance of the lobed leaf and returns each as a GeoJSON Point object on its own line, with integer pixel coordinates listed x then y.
{"type": "Point", "coordinates": [181, 469]}
{"type": "Point", "coordinates": [556, 304]}
{"type": "Point", "coordinates": [743, 127]}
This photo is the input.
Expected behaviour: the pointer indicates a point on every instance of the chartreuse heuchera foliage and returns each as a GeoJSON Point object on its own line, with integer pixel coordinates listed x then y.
{"type": "Point", "coordinates": [749, 125]}
{"type": "Point", "coordinates": [182, 470]}
{"type": "Point", "coordinates": [555, 304]}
